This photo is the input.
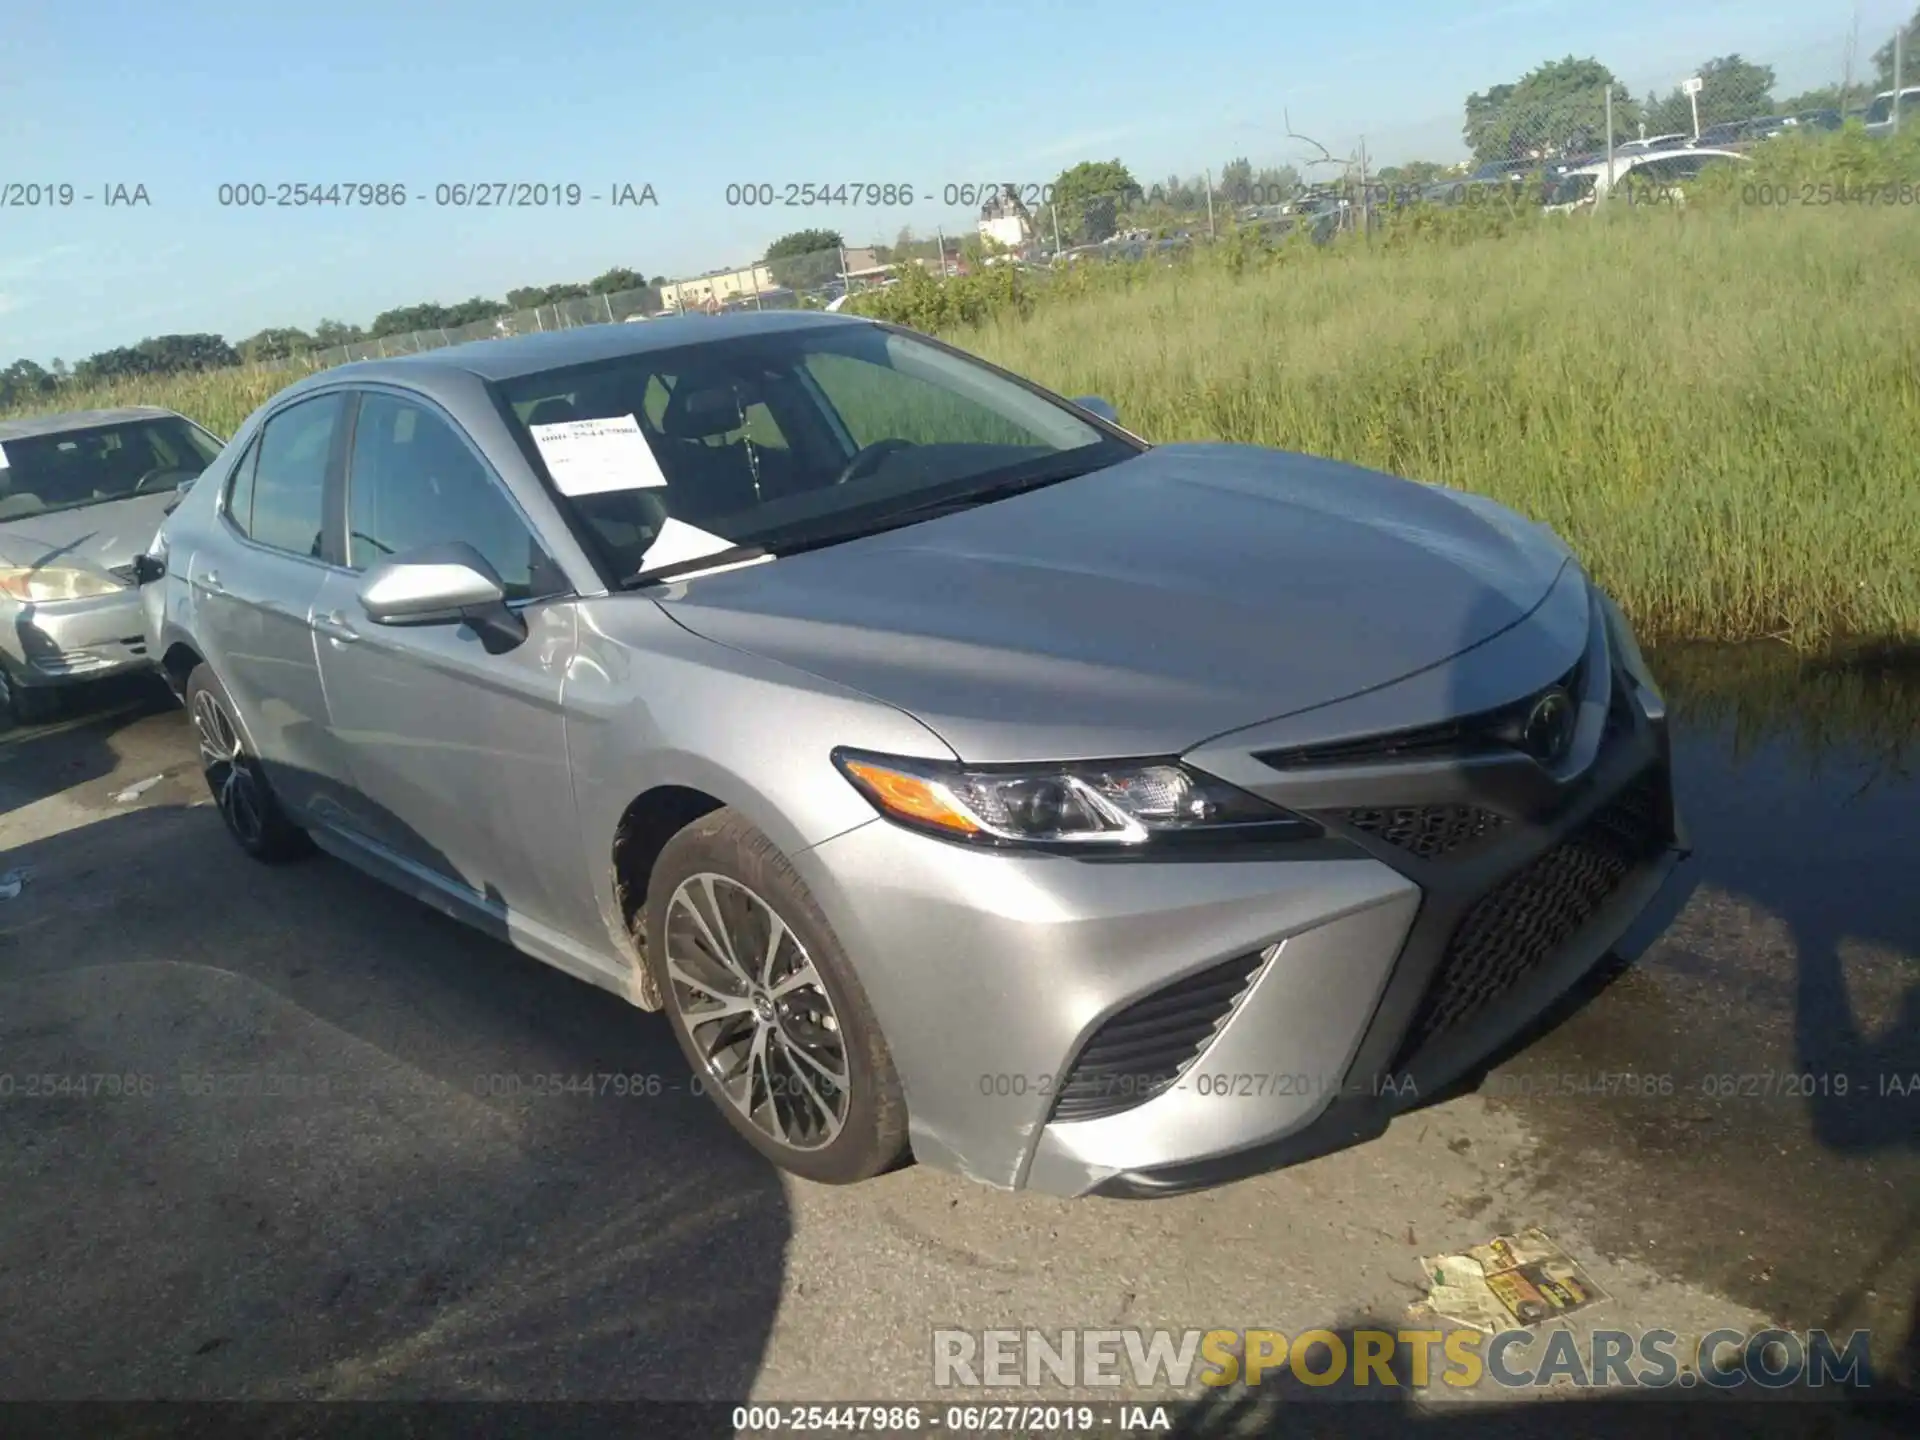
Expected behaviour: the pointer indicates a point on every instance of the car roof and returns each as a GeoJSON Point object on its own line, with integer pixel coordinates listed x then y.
{"type": "Point", "coordinates": [515, 356]}
{"type": "Point", "coordinates": [32, 425]}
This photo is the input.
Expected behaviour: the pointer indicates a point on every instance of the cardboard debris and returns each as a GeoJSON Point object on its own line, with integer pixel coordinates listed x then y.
{"type": "Point", "coordinates": [1511, 1280]}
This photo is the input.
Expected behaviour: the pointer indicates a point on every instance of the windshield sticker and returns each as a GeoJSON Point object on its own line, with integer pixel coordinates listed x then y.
{"type": "Point", "coordinates": [679, 542]}
{"type": "Point", "coordinates": [592, 457]}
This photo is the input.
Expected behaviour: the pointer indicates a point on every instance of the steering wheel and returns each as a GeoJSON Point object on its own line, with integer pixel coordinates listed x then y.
{"type": "Point", "coordinates": [868, 457]}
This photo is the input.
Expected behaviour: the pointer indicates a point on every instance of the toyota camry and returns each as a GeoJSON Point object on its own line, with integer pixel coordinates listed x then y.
{"type": "Point", "coordinates": [965, 778]}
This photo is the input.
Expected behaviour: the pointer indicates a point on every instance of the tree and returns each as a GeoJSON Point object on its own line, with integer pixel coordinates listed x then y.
{"type": "Point", "coordinates": [1413, 173]}
{"type": "Point", "coordinates": [532, 297]}
{"type": "Point", "coordinates": [330, 333]}
{"type": "Point", "coordinates": [1827, 97]}
{"type": "Point", "coordinates": [1236, 181]}
{"type": "Point", "coordinates": [1883, 59]}
{"type": "Point", "coordinates": [1731, 88]}
{"type": "Point", "coordinates": [616, 281]}
{"type": "Point", "coordinates": [1556, 109]}
{"type": "Point", "coordinates": [1090, 197]}
{"type": "Point", "coordinates": [805, 259]}
{"type": "Point", "coordinates": [275, 343]}
{"type": "Point", "coordinates": [23, 381]}
{"type": "Point", "coordinates": [158, 355]}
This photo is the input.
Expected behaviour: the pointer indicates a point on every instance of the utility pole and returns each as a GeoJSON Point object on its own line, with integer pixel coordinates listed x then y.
{"type": "Point", "coordinates": [1210, 232]}
{"type": "Point", "coordinates": [1056, 227]}
{"type": "Point", "coordinates": [1899, 55]}
{"type": "Point", "coordinates": [1846, 73]}
{"type": "Point", "coordinates": [1604, 189]}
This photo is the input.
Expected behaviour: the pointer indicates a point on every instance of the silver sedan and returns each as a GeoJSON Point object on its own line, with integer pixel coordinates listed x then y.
{"type": "Point", "coordinates": [964, 777]}
{"type": "Point", "coordinates": [81, 495]}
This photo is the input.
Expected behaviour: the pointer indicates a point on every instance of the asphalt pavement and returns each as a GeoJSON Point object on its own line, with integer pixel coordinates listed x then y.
{"type": "Point", "coordinates": [400, 1215]}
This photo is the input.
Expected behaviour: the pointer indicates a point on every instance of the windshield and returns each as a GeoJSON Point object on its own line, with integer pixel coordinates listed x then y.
{"type": "Point", "coordinates": [790, 438]}
{"type": "Point", "coordinates": [1882, 108]}
{"type": "Point", "coordinates": [69, 469]}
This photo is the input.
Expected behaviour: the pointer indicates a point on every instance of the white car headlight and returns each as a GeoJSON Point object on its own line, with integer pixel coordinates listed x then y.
{"type": "Point", "coordinates": [1129, 802]}
{"type": "Point", "coordinates": [40, 585]}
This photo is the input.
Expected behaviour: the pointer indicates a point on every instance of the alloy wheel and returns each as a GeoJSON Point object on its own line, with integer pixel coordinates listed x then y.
{"type": "Point", "coordinates": [229, 775]}
{"type": "Point", "coordinates": [757, 1012]}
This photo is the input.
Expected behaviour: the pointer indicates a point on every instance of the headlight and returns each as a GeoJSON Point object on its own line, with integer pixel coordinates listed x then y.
{"type": "Point", "coordinates": [41, 585]}
{"type": "Point", "coordinates": [1125, 802]}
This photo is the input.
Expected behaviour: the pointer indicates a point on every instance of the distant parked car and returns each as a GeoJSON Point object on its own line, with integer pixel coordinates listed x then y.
{"type": "Point", "coordinates": [1880, 114]}
{"type": "Point", "coordinates": [1652, 143]}
{"type": "Point", "coordinates": [81, 495]}
{"type": "Point", "coordinates": [1730, 133]}
{"type": "Point", "coordinates": [1818, 120]}
{"type": "Point", "coordinates": [1649, 177]}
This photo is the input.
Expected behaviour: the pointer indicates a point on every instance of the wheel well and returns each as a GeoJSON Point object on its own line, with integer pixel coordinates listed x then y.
{"type": "Point", "coordinates": [178, 664]}
{"type": "Point", "coordinates": [644, 830]}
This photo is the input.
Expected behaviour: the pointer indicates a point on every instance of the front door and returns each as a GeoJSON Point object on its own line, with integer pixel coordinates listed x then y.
{"type": "Point", "coordinates": [459, 756]}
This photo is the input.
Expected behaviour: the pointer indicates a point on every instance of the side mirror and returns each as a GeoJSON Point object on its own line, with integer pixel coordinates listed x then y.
{"type": "Point", "coordinates": [443, 585]}
{"type": "Point", "coordinates": [186, 485]}
{"type": "Point", "coordinates": [1094, 405]}
{"type": "Point", "coordinates": [148, 568]}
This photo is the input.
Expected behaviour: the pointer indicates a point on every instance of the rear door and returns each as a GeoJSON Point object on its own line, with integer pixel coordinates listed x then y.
{"type": "Point", "coordinates": [459, 756]}
{"type": "Point", "coordinates": [253, 590]}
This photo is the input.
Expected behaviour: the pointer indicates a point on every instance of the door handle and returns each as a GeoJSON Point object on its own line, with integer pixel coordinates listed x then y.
{"type": "Point", "coordinates": [334, 626]}
{"type": "Point", "coordinates": [210, 582]}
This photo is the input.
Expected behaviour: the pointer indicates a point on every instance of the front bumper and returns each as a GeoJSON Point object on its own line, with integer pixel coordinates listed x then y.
{"type": "Point", "coordinates": [1135, 1029]}
{"type": "Point", "coordinates": [72, 641]}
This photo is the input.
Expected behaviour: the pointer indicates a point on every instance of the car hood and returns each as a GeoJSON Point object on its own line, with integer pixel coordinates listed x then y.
{"type": "Point", "coordinates": [1138, 610]}
{"type": "Point", "coordinates": [99, 536]}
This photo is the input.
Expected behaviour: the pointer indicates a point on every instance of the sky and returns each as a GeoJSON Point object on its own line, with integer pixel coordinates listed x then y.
{"type": "Point", "coordinates": [183, 97]}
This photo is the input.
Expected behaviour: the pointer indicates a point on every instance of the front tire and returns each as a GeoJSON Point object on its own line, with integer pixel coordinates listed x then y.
{"type": "Point", "coordinates": [247, 804]}
{"type": "Point", "coordinates": [766, 1006]}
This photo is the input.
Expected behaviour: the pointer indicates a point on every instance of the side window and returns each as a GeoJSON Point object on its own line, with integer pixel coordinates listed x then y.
{"type": "Point", "coordinates": [240, 489]}
{"type": "Point", "coordinates": [290, 476]}
{"type": "Point", "coordinates": [413, 482]}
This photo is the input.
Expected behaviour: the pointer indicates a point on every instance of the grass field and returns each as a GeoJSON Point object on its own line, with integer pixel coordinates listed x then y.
{"type": "Point", "coordinates": [1719, 411]}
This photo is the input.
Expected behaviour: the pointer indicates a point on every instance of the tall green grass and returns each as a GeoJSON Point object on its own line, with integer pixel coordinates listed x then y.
{"type": "Point", "coordinates": [1719, 410]}
{"type": "Point", "coordinates": [1717, 406]}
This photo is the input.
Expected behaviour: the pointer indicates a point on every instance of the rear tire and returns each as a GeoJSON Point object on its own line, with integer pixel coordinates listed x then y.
{"type": "Point", "coordinates": [248, 807]}
{"type": "Point", "coordinates": [766, 1007]}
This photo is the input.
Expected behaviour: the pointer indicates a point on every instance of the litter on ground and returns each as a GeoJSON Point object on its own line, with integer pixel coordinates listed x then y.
{"type": "Point", "coordinates": [1522, 1279]}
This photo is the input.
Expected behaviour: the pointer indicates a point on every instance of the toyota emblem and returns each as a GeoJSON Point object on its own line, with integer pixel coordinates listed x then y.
{"type": "Point", "coordinates": [1549, 726]}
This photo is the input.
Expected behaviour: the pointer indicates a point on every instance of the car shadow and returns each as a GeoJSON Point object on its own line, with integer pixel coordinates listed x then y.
{"type": "Point", "coordinates": [1797, 780]}
{"type": "Point", "coordinates": [1816, 823]}
{"type": "Point", "coordinates": [76, 745]}
{"type": "Point", "coordinates": [293, 1135]}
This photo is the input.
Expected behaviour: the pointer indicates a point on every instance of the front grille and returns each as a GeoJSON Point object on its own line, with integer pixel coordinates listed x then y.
{"type": "Point", "coordinates": [1146, 1047]}
{"type": "Point", "coordinates": [1426, 831]}
{"type": "Point", "coordinates": [1524, 920]}
{"type": "Point", "coordinates": [1488, 732]}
